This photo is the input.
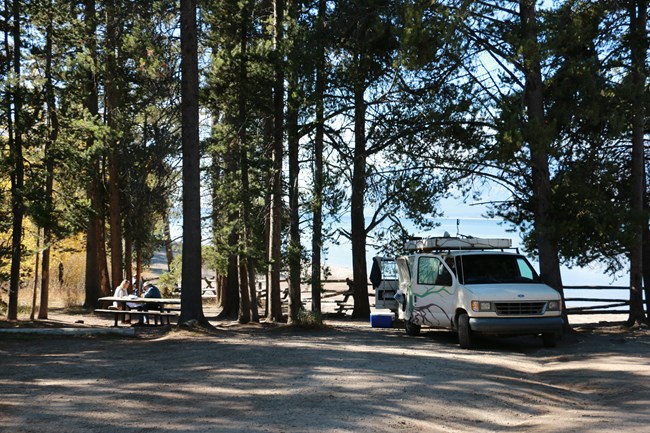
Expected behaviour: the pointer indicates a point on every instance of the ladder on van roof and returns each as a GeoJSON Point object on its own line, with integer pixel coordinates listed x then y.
{"type": "Point", "coordinates": [456, 243]}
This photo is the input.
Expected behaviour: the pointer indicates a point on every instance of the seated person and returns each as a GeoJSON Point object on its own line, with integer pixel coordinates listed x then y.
{"type": "Point", "coordinates": [121, 291]}
{"type": "Point", "coordinates": [150, 291]}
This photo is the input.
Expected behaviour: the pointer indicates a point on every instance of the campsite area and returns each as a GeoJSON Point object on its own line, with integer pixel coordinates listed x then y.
{"type": "Point", "coordinates": [342, 378]}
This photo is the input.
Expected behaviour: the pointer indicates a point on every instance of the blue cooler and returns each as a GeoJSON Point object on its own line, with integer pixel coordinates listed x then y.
{"type": "Point", "coordinates": [381, 320]}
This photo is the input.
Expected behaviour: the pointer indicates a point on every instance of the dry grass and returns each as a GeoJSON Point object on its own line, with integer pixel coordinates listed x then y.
{"type": "Point", "coordinates": [70, 292]}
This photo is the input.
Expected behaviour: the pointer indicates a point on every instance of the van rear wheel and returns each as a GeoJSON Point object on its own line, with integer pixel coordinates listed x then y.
{"type": "Point", "coordinates": [464, 332]}
{"type": "Point", "coordinates": [411, 328]}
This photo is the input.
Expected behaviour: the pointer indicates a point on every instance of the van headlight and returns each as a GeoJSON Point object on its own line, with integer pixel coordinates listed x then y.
{"type": "Point", "coordinates": [481, 306]}
{"type": "Point", "coordinates": [553, 306]}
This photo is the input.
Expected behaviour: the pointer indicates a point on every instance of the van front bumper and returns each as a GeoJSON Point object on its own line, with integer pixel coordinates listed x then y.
{"type": "Point", "coordinates": [516, 325]}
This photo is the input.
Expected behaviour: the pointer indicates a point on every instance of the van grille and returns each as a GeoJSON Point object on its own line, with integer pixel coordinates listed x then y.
{"type": "Point", "coordinates": [519, 308]}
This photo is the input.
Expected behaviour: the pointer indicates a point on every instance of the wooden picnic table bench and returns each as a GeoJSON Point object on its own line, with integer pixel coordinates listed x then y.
{"type": "Point", "coordinates": [159, 317]}
{"type": "Point", "coordinates": [342, 307]}
{"type": "Point", "coordinates": [159, 309]}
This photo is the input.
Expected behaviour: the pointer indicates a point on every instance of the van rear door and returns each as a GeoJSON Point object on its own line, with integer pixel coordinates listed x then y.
{"type": "Point", "coordinates": [383, 277]}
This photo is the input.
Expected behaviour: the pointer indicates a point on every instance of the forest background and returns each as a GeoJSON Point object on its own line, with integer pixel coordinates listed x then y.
{"type": "Point", "coordinates": [311, 110]}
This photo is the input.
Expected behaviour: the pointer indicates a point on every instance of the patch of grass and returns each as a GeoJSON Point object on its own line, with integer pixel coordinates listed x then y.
{"type": "Point", "coordinates": [77, 309]}
{"type": "Point", "coordinates": [309, 320]}
{"type": "Point", "coordinates": [66, 288]}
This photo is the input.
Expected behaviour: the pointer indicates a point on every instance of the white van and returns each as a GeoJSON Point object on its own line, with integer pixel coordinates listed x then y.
{"type": "Point", "coordinates": [475, 286]}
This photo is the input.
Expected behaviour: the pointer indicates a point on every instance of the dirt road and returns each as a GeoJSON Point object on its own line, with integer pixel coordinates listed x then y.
{"type": "Point", "coordinates": [346, 378]}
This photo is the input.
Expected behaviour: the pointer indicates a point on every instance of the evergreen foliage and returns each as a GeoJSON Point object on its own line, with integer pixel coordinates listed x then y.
{"type": "Point", "coordinates": [388, 107]}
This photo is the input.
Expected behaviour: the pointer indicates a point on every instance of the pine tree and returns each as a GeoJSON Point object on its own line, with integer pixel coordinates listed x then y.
{"type": "Point", "coordinates": [191, 306]}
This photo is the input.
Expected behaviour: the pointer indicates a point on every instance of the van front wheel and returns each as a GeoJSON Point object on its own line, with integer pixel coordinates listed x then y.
{"type": "Point", "coordinates": [411, 328]}
{"type": "Point", "coordinates": [464, 332]}
{"type": "Point", "coordinates": [549, 339]}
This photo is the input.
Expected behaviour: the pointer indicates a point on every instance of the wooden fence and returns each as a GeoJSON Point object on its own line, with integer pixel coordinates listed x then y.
{"type": "Point", "coordinates": [601, 305]}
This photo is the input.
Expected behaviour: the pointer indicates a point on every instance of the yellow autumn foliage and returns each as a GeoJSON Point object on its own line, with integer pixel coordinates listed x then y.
{"type": "Point", "coordinates": [67, 270]}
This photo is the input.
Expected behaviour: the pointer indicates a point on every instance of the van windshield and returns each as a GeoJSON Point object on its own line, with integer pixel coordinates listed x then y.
{"type": "Point", "coordinates": [495, 268]}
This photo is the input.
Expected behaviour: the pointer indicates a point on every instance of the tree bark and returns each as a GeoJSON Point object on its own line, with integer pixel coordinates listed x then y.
{"type": "Point", "coordinates": [32, 315]}
{"type": "Point", "coordinates": [275, 223]}
{"type": "Point", "coordinates": [113, 100]}
{"type": "Point", "coordinates": [245, 231]}
{"type": "Point", "coordinates": [230, 294]}
{"type": "Point", "coordinates": [638, 49]}
{"type": "Point", "coordinates": [191, 303]}
{"type": "Point", "coordinates": [255, 317]}
{"type": "Point", "coordinates": [537, 136]}
{"type": "Point", "coordinates": [169, 253]}
{"type": "Point", "coordinates": [646, 264]}
{"type": "Point", "coordinates": [50, 140]}
{"type": "Point", "coordinates": [358, 222]}
{"type": "Point", "coordinates": [104, 278]}
{"type": "Point", "coordinates": [138, 272]}
{"type": "Point", "coordinates": [244, 293]}
{"type": "Point", "coordinates": [17, 170]}
{"type": "Point", "coordinates": [128, 259]}
{"type": "Point", "coordinates": [293, 140]}
{"type": "Point", "coordinates": [317, 224]}
{"type": "Point", "coordinates": [96, 270]}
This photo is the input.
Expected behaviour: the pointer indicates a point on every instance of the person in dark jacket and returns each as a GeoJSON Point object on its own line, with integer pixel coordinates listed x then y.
{"type": "Point", "coordinates": [150, 291]}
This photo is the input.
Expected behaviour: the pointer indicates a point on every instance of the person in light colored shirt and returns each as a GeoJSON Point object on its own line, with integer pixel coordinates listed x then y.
{"type": "Point", "coordinates": [122, 291]}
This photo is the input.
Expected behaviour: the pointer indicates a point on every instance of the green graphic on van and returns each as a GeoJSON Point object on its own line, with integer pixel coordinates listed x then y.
{"type": "Point", "coordinates": [433, 291]}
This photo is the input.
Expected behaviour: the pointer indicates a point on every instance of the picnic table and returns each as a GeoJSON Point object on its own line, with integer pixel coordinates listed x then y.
{"type": "Point", "coordinates": [163, 308]}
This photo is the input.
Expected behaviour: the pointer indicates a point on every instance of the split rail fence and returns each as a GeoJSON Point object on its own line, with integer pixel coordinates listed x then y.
{"type": "Point", "coordinates": [598, 305]}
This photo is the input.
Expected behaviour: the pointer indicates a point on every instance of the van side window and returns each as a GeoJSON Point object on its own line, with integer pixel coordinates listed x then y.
{"type": "Point", "coordinates": [432, 272]}
{"type": "Point", "coordinates": [427, 270]}
{"type": "Point", "coordinates": [525, 270]}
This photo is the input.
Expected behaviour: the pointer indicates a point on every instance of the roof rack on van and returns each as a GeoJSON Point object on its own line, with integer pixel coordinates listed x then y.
{"type": "Point", "coordinates": [455, 243]}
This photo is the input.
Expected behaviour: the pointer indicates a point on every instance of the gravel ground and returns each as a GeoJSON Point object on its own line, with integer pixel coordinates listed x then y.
{"type": "Point", "coordinates": [346, 377]}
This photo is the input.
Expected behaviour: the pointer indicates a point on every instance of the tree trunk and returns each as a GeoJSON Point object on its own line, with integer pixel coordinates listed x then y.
{"type": "Point", "coordinates": [94, 241]}
{"type": "Point", "coordinates": [191, 303]}
{"type": "Point", "coordinates": [646, 266]}
{"type": "Point", "coordinates": [638, 48]}
{"type": "Point", "coordinates": [231, 308]}
{"type": "Point", "coordinates": [244, 294]}
{"type": "Point", "coordinates": [245, 231]}
{"type": "Point", "coordinates": [92, 281]}
{"type": "Point", "coordinates": [104, 278]}
{"type": "Point", "coordinates": [230, 294]}
{"type": "Point", "coordinates": [646, 249]}
{"type": "Point", "coordinates": [32, 315]}
{"type": "Point", "coordinates": [275, 220]}
{"type": "Point", "coordinates": [221, 284]}
{"type": "Point", "coordinates": [358, 225]}
{"type": "Point", "coordinates": [547, 244]}
{"type": "Point", "coordinates": [17, 170]}
{"type": "Point", "coordinates": [45, 284]}
{"type": "Point", "coordinates": [317, 224]}
{"type": "Point", "coordinates": [50, 140]}
{"type": "Point", "coordinates": [357, 217]}
{"type": "Point", "coordinates": [255, 317]}
{"type": "Point", "coordinates": [293, 140]}
{"type": "Point", "coordinates": [169, 253]}
{"type": "Point", "coordinates": [113, 120]}
{"type": "Point", "coordinates": [138, 272]}
{"type": "Point", "coordinates": [128, 259]}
